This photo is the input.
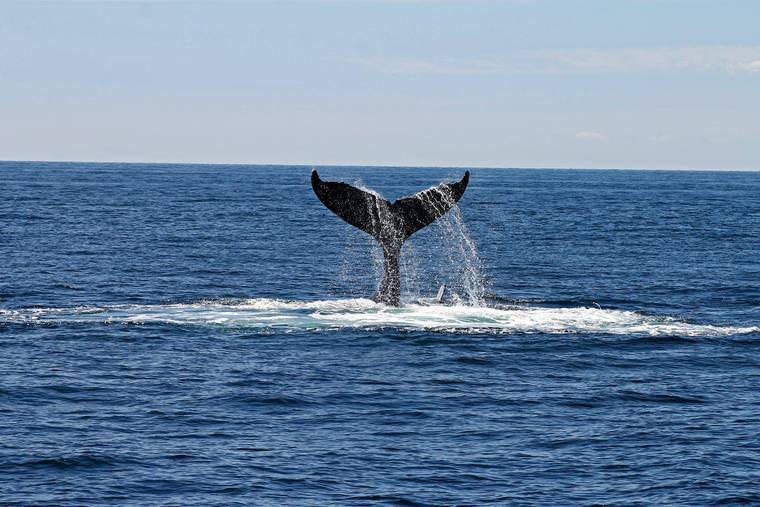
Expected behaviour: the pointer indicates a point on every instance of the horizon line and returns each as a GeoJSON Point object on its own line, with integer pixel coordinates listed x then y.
{"type": "Point", "coordinates": [381, 166]}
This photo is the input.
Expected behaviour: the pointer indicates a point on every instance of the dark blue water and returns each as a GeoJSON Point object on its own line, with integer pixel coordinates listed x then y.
{"type": "Point", "coordinates": [179, 334]}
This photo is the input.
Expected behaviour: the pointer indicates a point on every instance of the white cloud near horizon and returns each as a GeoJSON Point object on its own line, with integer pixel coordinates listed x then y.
{"type": "Point", "coordinates": [727, 59]}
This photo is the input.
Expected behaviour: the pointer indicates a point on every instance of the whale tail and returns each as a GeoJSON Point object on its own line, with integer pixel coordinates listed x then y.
{"type": "Point", "coordinates": [389, 223]}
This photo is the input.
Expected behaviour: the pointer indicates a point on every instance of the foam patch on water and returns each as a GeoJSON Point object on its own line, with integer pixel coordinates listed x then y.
{"type": "Point", "coordinates": [365, 314]}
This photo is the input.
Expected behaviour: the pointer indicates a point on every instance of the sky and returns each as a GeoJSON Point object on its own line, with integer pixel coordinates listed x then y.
{"type": "Point", "coordinates": [650, 84]}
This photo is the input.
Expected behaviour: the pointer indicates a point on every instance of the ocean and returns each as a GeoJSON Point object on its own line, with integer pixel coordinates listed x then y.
{"type": "Point", "coordinates": [203, 335]}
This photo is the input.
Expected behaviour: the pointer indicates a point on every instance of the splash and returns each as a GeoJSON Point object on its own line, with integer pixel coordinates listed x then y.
{"type": "Point", "coordinates": [442, 253]}
{"type": "Point", "coordinates": [450, 256]}
{"type": "Point", "coordinates": [461, 257]}
{"type": "Point", "coordinates": [288, 316]}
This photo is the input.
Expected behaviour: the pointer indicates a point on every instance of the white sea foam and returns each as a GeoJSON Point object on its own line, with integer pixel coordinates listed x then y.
{"type": "Point", "coordinates": [365, 314]}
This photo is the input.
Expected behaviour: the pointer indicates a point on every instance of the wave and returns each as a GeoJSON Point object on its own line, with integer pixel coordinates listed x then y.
{"type": "Point", "coordinates": [278, 314]}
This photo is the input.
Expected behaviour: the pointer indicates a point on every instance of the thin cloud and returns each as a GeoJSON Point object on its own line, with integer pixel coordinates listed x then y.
{"type": "Point", "coordinates": [721, 59]}
{"type": "Point", "coordinates": [418, 66]}
{"type": "Point", "coordinates": [589, 135]}
{"type": "Point", "coordinates": [700, 58]}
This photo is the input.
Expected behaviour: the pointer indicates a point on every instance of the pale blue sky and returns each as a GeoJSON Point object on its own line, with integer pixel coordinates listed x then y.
{"type": "Point", "coordinates": [512, 83]}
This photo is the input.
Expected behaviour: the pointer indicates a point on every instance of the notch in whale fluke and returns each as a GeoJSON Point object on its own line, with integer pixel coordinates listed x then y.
{"type": "Point", "coordinates": [389, 223]}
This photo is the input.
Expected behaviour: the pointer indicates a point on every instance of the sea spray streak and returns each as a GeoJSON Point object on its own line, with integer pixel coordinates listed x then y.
{"type": "Point", "coordinates": [262, 313]}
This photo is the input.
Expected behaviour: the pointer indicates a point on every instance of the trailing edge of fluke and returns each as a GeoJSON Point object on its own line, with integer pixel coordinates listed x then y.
{"type": "Point", "coordinates": [389, 223]}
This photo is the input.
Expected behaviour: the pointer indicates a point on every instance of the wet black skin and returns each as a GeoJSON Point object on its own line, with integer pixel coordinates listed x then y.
{"type": "Point", "coordinates": [391, 224]}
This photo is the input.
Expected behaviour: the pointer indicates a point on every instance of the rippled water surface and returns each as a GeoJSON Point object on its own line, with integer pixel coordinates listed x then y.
{"type": "Point", "coordinates": [179, 334]}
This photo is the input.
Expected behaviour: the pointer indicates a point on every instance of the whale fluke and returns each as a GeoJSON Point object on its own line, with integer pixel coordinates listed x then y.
{"type": "Point", "coordinates": [389, 223]}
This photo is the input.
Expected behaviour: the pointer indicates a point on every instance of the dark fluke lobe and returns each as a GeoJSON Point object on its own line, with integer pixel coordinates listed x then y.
{"type": "Point", "coordinates": [389, 223]}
